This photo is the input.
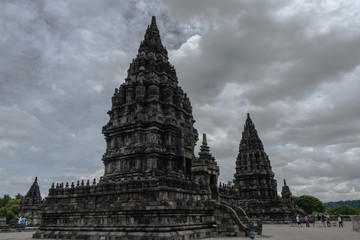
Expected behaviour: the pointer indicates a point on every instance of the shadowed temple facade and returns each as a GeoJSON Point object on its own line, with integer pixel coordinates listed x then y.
{"type": "Point", "coordinates": [154, 187]}
{"type": "Point", "coordinates": [31, 205]}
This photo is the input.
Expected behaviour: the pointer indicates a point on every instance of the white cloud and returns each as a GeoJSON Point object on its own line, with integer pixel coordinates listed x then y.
{"type": "Point", "coordinates": [35, 150]}
{"type": "Point", "coordinates": [189, 49]}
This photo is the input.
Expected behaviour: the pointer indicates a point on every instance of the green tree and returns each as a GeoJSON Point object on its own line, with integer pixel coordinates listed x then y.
{"type": "Point", "coordinates": [352, 203]}
{"type": "Point", "coordinates": [343, 210]}
{"type": "Point", "coordinates": [9, 207]}
{"type": "Point", "coordinates": [4, 200]}
{"type": "Point", "coordinates": [308, 203]}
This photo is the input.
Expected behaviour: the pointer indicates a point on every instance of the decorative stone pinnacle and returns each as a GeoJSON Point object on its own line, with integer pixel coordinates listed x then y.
{"type": "Point", "coordinates": [34, 192]}
{"type": "Point", "coordinates": [250, 138]}
{"type": "Point", "coordinates": [204, 148]}
{"type": "Point", "coordinates": [249, 122]}
{"type": "Point", "coordinates": [204, 142]}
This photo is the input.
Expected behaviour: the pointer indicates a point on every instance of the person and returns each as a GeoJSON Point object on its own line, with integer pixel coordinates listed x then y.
{"type": "Point", "coordinates": [19, 221]}
{"type": "Point", "coordinates": [319, 220]}
{"type": "Point", "coordinates": [323, 221]}
{"type": "Point", "coordinates": [25, 222]}
{"type": "Point", "coordinates": [340, 221]}
{"type": "Point", "coordinates": [298, 221]}
{"type": "Point", "coordinates": [328, 221]}
{"type": "Point", "coordinates": [307, 221]}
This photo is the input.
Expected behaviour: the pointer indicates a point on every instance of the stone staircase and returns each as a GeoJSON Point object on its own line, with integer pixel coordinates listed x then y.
{"type": "Point", "coordinates": [233, 221]}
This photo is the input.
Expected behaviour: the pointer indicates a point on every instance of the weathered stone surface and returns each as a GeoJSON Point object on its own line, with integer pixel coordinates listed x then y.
{"type": "Point", "coordinates": [153, 186]}
{"type": "Point", "coordinates": [355, 219]}
{"type": "Point", "coordinates": [255, 182]}
{"type": "Point", "coordinates": [31, 205]}
{"type": "Point", "coordinates": [254, 176]}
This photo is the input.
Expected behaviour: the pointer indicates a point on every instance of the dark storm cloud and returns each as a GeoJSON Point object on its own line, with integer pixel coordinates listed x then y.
{"type": "Point", "coordinates": [294, 65]}
{"type": "Point", "coordinates": [294, 71]}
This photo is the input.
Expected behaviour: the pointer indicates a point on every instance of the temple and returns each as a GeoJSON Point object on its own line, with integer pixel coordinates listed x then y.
{"type": "Point", "coordinates": [255, 181]}
{"type": "Point", "coordinates": [31, 205]}
{"type": "Point", "coordinates": [154, 187]}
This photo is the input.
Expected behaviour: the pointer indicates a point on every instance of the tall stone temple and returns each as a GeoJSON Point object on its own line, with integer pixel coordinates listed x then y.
{"type": "Point", "coordinates": [154, 187]}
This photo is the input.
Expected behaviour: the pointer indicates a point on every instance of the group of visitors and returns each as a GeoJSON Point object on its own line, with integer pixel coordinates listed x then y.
{"type": "Point", "coordinates": [22, 222]}
{"type": "Point", "coordinates": [306, 220]}
{"type": "Point", "coordinates": [323, 221]}
{"type": "Point", "coordinates": [326, 221]}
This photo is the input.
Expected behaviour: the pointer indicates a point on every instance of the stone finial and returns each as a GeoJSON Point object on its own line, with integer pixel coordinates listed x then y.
{"type": "Point", "coordinates": [153, 20]}
{"type": "Point", "coordinates": [204, 142]}
{"type": "Point", "coordinates": [285, 192]}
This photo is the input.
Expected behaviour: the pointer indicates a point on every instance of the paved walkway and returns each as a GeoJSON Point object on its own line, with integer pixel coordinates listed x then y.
{"type": "Point", "coordinates": [271, 232]}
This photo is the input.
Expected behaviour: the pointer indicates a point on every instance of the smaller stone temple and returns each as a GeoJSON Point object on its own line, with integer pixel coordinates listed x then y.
{"type": "Point", "coordinates": [31, 206]}
{"type": "Point", "coordinates": [255, 182]}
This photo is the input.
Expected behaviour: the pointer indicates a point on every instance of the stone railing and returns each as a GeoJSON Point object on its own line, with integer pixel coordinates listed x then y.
{"type": "Point", "coordinates": [135, 184]}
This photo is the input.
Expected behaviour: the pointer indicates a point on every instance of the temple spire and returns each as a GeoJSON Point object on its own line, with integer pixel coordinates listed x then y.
{"type": "Point", "coordinates": [253, 165]}
{"type": "Point", "coordinates": [204, 141]}
{"type": "Point", "coordinates": [250, 138]}
{"type": "Point", "coordinates": [152, 40]}
{"type": "Point", "coordinates": [149, 111]}
{"type": "Point", "coordinates": [153, 20]}
{"type": "Point", "coordinates": [33, 194]}
{"type": "Point", "coordinates": [31, 205]}
{"type": "Point", "coordinates": [152, 56]}
{"type": "Point", "coordinates": [205, 149]}
{"type": "Point", "coordinates": [205, 165]}
{"type": "Point", "coordinates": [285, 192]}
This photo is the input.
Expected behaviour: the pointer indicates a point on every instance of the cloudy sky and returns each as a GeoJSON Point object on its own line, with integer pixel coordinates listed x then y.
{"type": "Point", "coordinates": [293, 65]}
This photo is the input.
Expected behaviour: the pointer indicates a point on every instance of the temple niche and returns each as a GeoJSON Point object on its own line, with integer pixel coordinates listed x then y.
{"type": "Point", "coordinates": [154, 187]}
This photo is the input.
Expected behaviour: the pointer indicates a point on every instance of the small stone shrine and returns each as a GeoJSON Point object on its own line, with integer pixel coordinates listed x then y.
{"type": "Point", "coordinates": [31, 205]}
{"type": "Point", "coordinates": [154, 187]}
